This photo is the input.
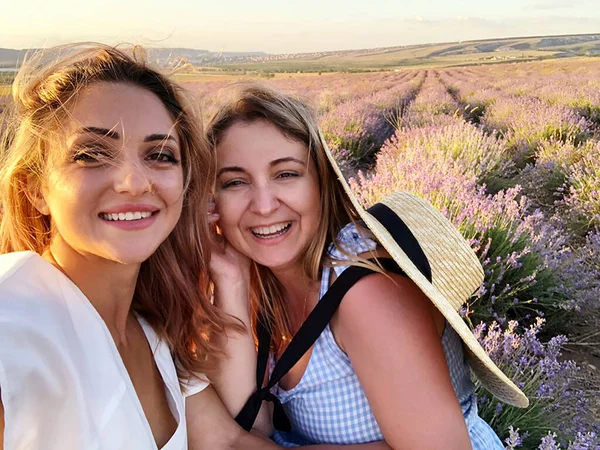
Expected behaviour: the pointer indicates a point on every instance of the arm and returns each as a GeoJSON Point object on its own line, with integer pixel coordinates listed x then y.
{"type": "Point", "coordinates": [397, 354]}
{"type": "Point", "coordinates": [211, 427]}
{"type": "Point", "coordinates": [235, 376]}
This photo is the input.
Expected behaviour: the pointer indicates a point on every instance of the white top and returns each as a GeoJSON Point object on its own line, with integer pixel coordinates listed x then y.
{"type": "Point", "coordinates": [63, 383]}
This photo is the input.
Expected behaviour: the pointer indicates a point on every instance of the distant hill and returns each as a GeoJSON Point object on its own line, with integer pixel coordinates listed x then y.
{"type": "Point", "coordinates": [164, 56]}
{"type": "Point", "coordinates": [11, 58]}
{"type": "Point", "coordinates": [443, 54]}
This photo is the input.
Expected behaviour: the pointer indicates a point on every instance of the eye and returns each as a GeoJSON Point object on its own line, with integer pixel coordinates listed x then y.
{"type": "Point", "coordinates": [163, 155]}
{"type": "Point", "coordinates": [284, 175]}
{"type": "Point", "coordinates": [232, 183]}
{"type": "Point", "coordinates": [90, 155]}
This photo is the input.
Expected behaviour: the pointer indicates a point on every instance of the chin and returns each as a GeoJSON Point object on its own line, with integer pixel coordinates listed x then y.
{"type": "Point", "coordinates": [274, 264]}
{"type": "Point", "coordinates": [129, 256]}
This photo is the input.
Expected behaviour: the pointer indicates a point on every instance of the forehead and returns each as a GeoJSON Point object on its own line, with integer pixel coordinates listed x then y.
{"type": "Point", "coordinates": [125, 108]}
{"type": "Point", "coordinates": [255, 142]}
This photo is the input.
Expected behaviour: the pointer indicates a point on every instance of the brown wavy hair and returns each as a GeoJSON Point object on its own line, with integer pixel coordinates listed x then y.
{"type": "Point", "coordinates": [173, 290]}
{"type": "Point", "coordinates": [249, 102]}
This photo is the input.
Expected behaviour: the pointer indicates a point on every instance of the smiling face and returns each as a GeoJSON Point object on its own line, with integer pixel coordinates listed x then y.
{"type": "Point", "coordinates": [267, 194]}
{"type": "Point", "coordinates": [116, 189]}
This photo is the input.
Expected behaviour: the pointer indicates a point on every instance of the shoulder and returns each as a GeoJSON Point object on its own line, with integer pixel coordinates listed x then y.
{"type": "Point", "coordinates": [354, 240]}
{"type": "Point", "coordinates": [351, 241]}
{"type": "Point", "coordinates": [28, 281]}
{"type": "Point", "coordinates": [384, 289]}
{"type": "Point", "coordinates": [32, 299]}
{"type": "Point", "coordinates": [28, 270]}
{"type": "Point", "coordinates": [383, 303]}
{"type": "Point", "coordinates": [12, 264]}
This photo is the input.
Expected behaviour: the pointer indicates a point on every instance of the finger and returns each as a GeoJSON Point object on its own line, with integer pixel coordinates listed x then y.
{"type": "Point", "coordinates": [213, 217]}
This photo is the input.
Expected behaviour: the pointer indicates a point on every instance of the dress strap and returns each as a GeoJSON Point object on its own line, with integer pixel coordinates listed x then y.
{"type": "Point", "coordinates": [306, 336]}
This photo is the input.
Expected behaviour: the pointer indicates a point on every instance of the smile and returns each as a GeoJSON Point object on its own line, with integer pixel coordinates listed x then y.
{"type": "Point", "coordinates": [272, 231]}
{"type": "Point", "coordinates": [127, 216]}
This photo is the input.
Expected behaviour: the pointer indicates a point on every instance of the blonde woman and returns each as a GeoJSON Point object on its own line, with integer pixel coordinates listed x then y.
{"type": "Point", "coordinates": [355, 312]}
{"type": "Point", "coordinates": [105, 321]}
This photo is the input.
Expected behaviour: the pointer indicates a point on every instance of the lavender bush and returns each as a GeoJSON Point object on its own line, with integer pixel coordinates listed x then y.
{"type": "Point", "coordinates": [500, 228]}
{"type": "Point", "coordinates": [558, 406]}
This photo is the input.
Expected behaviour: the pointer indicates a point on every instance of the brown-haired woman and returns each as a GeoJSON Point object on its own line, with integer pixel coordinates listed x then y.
{"type": "Point", "coordinates": [385, 369]}
{"type": "Point", "coordinates": [106, 326]}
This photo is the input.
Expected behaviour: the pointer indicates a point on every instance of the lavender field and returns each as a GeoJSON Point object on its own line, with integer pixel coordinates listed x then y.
{"type": "Point", "coordinates": [511, 154]}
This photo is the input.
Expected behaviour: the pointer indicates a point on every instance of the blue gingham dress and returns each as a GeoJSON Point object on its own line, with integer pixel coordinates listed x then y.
{"type": "Point", "coordinates": [329, 406]}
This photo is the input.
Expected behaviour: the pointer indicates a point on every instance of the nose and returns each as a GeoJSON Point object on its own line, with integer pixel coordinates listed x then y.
{"type": "Point", "coordinates": [131, 177]}
{"type": "Point", "coordinates": [264, 200]}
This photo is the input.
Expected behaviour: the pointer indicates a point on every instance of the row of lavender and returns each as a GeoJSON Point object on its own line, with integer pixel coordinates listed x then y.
{"type": "Point", "coordinates": [550, 135]}
{"type": "Point", "coordinates": [537, 268]}
{"type": "Point", "coordinates": [356, 113]}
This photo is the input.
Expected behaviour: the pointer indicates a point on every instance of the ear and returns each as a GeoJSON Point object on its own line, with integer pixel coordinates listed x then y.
{"type": "Point", "coordinates": [33, 190]}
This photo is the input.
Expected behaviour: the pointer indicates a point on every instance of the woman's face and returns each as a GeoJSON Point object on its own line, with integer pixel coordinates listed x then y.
{"type": "Point", "coordinates": [116, 190]}
{"type": "Point", "coordinates": [267, 194]}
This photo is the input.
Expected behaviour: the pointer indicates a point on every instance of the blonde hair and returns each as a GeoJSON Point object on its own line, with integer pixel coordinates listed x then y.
{"type": "Point", "coordinates": [248, 102]}
{"type": "Point", "coordinates": [172, 292]}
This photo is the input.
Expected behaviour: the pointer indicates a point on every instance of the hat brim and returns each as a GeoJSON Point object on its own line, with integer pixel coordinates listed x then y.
{"type": "Point", "coordinates": [488, 373]}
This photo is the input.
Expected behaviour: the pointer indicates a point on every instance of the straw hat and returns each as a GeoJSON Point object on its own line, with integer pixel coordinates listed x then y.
{"type": "Point", "coordinates": [455, 273]}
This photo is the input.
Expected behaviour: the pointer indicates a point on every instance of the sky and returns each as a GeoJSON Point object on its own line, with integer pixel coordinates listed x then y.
{"type": "Point", "coordinates": [277, 26]}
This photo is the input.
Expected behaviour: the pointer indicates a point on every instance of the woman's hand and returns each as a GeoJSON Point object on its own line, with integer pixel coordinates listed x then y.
{"type": "Point", "coordinates": [235, 377]}
{"type": "Point", "coordinates": [226, 263]}
{"type": "Point", "coordinates": [229, 271]}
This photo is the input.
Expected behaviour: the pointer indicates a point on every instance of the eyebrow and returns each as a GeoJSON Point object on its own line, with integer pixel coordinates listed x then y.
{"type": "Point", "coordinates": [159, 137]}
{"type": "Point", "coordinates": [286, 159]}
{"type": "Point", "coordinates": [105, 132]}
{"type": "Point", "coordinates": [230, 169]}
{"type": "Point", "coordinates": [271, 164]}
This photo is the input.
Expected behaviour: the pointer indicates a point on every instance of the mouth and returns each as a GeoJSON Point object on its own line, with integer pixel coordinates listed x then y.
{"type": "Point", "coordinates": [272, 231]}
{"type": "Point", "coordinates": [128, 216]}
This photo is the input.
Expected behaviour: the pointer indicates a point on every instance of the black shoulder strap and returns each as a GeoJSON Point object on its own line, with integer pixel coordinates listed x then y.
{"type": "Point", "coordinates": [308, 333]}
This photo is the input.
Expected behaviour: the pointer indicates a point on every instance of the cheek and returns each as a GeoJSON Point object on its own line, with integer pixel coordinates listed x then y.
{"type": "Point", "coordinates": [311, 200]}
{"type": "Point", "coordinates": [312, 209]}
{"type": "Point", "coordinates": [229, 208]}
{"type": "Point", "coordinates": [64, 192]}
{"type": "Point", "coordinates": [69, 200]}
{"type": "Point", "coordinates": [170, 186]}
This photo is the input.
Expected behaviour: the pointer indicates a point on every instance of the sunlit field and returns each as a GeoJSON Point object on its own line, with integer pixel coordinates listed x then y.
{"type": "Point", "coordinates": [511, 154]}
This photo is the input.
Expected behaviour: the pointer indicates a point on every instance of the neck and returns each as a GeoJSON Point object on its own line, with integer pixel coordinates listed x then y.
{"type": "Point", "coordinates": [299, 290]}
{"type": "Point", "coordinates": [109, 286]}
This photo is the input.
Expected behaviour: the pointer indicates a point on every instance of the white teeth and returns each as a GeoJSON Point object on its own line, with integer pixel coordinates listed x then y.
{"type": "Point", "coordinates": [264, 231]}
{"type": "Point", "coordinates": [126, 216]}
